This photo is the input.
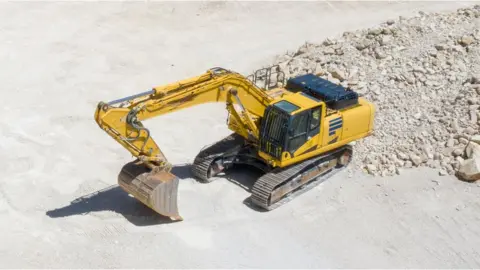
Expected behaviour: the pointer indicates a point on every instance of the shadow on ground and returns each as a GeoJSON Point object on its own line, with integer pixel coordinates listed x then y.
{"type": "Point", "coordinates": [114, 199]}
{"type": "Point", "coordinates": [243, 176]}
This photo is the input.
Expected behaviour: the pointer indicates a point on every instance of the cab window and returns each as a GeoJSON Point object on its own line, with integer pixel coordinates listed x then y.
{"type": "Point", "coordinates": [315, 120]}
{"type": "Point", "coordinates": [299, 124]}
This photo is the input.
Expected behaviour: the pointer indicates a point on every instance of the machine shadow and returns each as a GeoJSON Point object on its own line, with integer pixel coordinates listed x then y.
{"type": "Point", "coordinates": [243, 176]}
{"type": "Point", "coordinates": [114, 199]}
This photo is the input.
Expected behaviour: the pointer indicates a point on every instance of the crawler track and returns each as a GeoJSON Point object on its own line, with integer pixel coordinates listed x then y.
{"type": "Point", "coordinates": [278, 186]}
{"type": "Point", "coordinates": [202, 167]}
{"type": "Point", "coordinates": [283, 184]}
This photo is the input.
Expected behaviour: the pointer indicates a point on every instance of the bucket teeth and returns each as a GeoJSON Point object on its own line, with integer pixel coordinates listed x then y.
{"type": "Point", "coordinates": [157, 190]}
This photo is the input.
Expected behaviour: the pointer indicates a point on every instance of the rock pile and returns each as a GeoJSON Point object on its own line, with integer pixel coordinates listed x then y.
{"type": "Point", "coordinates": [422, 74]}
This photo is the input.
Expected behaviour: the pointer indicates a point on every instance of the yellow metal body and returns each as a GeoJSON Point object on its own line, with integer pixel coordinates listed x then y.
{"type": "Point", "coordinates": [357, 122]}
{"type": "Point", "coordinates": [206, 88]}
{"type": "Point", "coordinates": [225, 86]}
{"type": "Point", "coordinates": [246, 104]}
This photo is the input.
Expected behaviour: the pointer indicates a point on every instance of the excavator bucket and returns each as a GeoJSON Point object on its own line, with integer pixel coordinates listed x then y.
{"type": "Point", "coordinates": [157, 190]}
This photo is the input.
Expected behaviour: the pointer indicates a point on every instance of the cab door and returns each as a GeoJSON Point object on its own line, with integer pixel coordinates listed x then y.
{"type": "Point", "coordinates": [314, 123]}
{"type": "Point", "coordinates": [303, 132]}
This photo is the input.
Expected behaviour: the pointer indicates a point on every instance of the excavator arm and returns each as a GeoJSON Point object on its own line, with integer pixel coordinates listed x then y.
{"type": "Point", "coordinates": [122, 120]}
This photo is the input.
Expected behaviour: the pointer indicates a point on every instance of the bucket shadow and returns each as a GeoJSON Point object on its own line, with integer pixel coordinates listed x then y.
{"type": "Point", "coordinates": [114, 199]}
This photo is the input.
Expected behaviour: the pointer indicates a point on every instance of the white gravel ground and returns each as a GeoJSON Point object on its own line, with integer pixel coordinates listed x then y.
{"type": "Point", "coordinates": [60, 59]}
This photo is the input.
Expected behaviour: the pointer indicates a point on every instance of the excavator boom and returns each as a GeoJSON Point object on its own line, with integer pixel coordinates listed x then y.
{"type": "Point", "coordinates": [153, 184]}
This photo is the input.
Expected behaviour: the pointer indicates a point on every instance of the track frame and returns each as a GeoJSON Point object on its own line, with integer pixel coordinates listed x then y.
{"type": "Point", "coordinates": [276, 186]}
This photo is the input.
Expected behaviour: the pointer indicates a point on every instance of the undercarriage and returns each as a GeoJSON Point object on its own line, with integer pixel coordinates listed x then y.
{"type": "Point", "coordinates": [277, 185]}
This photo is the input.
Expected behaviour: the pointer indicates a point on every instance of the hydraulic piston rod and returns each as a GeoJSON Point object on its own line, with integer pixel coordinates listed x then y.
{"type": "Point", "coordinates": [146, 93]}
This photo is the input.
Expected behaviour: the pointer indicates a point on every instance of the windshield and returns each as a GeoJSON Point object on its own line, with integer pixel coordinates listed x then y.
{"type": "Point", "coordinates": [273, 131]}
{"type": "Point", "coordinates": [286, 106]}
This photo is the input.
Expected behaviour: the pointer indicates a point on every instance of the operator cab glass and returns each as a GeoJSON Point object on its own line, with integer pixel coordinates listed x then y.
{"type": "Point", "coordinates": [281, 131]}
{"type": "Point", "coordinates": [286, 106]}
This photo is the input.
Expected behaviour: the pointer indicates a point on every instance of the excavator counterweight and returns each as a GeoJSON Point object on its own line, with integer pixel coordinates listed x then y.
{"type": "Point", "coordinates": [296, 131]}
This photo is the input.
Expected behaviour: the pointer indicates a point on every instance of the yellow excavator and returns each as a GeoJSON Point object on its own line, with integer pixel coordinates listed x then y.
{"type": "Point", "coordinates": [296, 131]}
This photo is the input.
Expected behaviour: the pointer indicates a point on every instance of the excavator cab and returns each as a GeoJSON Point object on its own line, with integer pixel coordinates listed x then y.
{"type": "Point", "coordinates": [289, 128]}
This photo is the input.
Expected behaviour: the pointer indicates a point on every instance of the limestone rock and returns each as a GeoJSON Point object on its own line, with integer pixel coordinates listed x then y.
{"type": "Point", "coordinates": [416, 160]}
{"type": "Point", "coordinates": [372, 169]}
{"type": "Point", "coordinates": [457, 152]}
{"type": "Point", "coordinates": [441, 47]}
{"type": "Point", "coordinates": [466, 40]}
{"type": "Point", "coordinates": [423, 76]}
{"type": "Point", "coordinates": [475, 139]}
{"type": "Point", "coordinates": [470, 170]}
{"type": "Point", "coordinates": [473, 150]}
{"type": "Point", "coordinates": [337, 73]}
{"type": "Point", "coordinates": [450, 142]}
{"type": "Point", "coordinates": [385, 40]}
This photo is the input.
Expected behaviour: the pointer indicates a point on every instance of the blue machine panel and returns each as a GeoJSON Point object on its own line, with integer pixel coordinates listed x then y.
{"type": "Point", "coordinates": [335, 96]}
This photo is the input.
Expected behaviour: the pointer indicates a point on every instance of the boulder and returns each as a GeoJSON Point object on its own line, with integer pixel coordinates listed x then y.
{"type": "Point", "coordinates": [473, 150]}
{"type": "Point", "coordinates": [469, 170]}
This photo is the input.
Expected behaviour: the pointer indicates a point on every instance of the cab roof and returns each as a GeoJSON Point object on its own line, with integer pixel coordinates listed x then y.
{"type": "Point", "coordinates": [297, 102]}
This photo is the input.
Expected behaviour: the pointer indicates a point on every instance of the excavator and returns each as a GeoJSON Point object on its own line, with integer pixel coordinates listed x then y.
{"type": "Point", "coordinates": [297, 132]}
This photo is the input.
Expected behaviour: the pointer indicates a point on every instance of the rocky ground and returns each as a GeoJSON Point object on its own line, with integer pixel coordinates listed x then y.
{"type": "Point", "coordinates": [61, 207]}
{"type": "Point", "coordinates": [423, 75]}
